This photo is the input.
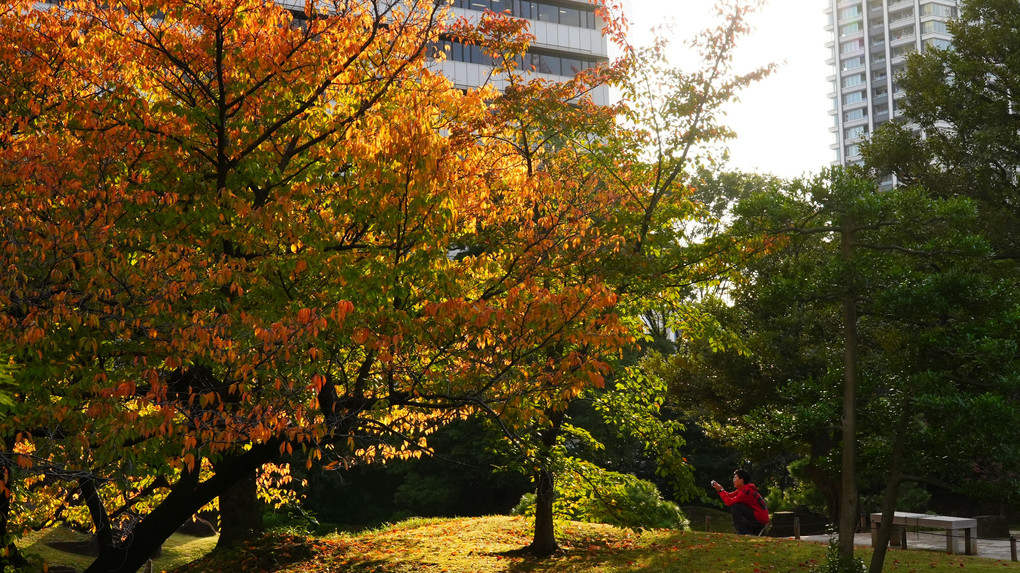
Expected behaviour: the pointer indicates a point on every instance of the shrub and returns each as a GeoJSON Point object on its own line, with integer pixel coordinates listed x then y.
{"type": "Point", "coordinates": [586, 492]}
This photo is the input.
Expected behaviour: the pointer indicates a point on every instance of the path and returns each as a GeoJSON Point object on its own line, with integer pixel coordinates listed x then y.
{"type": "Point", "coordinates": [933, 541]}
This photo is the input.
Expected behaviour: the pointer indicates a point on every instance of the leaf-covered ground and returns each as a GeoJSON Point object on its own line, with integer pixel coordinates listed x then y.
{"type": "Point", "coordinates": [492, 544]}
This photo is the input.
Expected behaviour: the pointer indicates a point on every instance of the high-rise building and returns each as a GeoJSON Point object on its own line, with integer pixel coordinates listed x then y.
{"type": "Point", "coordinates": [568, 38]}
{"type": "Point", "coordinates": [871, 39]}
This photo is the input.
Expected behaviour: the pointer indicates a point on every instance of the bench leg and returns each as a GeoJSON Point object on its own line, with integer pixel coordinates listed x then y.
{"type": "Point", "coordinates": [949, 541]}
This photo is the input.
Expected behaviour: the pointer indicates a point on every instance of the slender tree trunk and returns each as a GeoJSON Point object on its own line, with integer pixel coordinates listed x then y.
{"type": "Point", "coordinates": [240, 512]}
{"type": "Point", "coordinates": [9, 554]}
{"type": "Point", "coordinates": [892, 492]}
{"type": "Point", "coordinates": [848, 481]}
{"type": "Point", "coordinates": [544, 542]}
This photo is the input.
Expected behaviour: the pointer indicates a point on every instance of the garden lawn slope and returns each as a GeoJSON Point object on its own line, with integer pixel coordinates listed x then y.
{"type": "Point", "coordinates": [492, 544]}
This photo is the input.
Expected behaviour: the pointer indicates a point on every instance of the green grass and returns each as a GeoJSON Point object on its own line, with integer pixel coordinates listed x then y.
{"type": "Point", "coordinates": [177, 551]}
{"type": "Point", "coordinates": [492, 544]}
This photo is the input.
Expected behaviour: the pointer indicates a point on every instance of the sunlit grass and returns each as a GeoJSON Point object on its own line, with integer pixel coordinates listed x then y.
{"type": "Point", "coordinates": [177, 551]}
{"type": "Point", "coordinates": [492, 545]}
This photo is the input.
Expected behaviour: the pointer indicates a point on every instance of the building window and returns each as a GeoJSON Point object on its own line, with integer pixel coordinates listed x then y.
{"type": "Point", "coordinates": [850, 12]}
{"type": "Point", "coordinates": [542, 63]}
{"type": "Point", "coordinates": [851, 46]}
{"type": "Point", "coordinates": [853, 98]}
{"type": "Point", "coordinates": [533, 11]}
{"type": "Point", "coordinates": [934, 27]}
{"type": "Point", "coordinates": [903, 34]}
{"type": "Point", "coordinates": [856, 114]}
{"type": "Point", "coordinates": [902, 50]}
{"type": "Point", "coordinates": [938, 10]}
{"type": "Point", "coordinates": [849, 29]}
{"type": "Point", "coordinates": [856, 132]}
{"type": "Point", "coordinates": [853, 150]}
{"type": "Point", "coordinates": [901, 16]}
{"type": "Point", "coordinates": [938, 43]}
{"type": "Point", "coordinates": [854, 80]}
{"type": "Point", "coordinates": [852, 63]}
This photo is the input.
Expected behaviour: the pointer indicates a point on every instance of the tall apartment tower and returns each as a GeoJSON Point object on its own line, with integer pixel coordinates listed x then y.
{"type": "Point", "coordinates": [870, 41]}
{"type": "Point", "coordinates": [568, 38]}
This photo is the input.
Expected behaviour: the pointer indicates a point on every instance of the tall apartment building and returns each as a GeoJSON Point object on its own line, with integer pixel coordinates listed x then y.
{"type": "Point", "coordinates": [568, 39]}
{"type": "Point", "coordinates": [870, 41]}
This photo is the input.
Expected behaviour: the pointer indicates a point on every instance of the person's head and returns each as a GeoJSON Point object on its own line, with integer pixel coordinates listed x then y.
{"type": "Point", "coordinates": [741, 477]}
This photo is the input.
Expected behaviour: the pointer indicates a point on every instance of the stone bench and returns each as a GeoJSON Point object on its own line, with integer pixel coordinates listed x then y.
{"type": "Point", "coordinates": [961, 532]}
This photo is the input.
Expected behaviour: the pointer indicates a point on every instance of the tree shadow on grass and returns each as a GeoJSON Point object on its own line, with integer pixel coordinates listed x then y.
{"type": "Point", "coordinates": [577, 552]}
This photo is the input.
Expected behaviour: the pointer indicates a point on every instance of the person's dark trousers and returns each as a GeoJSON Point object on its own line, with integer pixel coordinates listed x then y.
{"type": "Point", "coordinates": [743, 520]}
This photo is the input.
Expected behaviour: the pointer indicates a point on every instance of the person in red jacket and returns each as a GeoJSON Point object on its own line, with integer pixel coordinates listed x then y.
{"type": "Point", "coordinates": [750, 513]}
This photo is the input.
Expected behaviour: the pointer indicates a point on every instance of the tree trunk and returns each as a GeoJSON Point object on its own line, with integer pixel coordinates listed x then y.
{"type": "Point", "coordinates": [97, 510]}
{"type": "Point", "coordinates": [186, 497]}
{"type": "Point", "coordinates": [848, 481]}
{"type": "Point", "coordinates": [892, 492]}
{"type": "Point", "coordinates": [9, 554]}
{"type": "Point", "coordinates": [240, 512]}
{"type": "Point", "coordinates": [544, 542]}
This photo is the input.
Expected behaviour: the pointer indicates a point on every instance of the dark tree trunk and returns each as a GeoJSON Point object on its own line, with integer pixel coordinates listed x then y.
{"type": "Point", "coordinates": [848, 481]}
{"type": "Point", "coordinates": [892, 491]}
{"type": "Point", "coordinates": [544, 542]}
{"type": "Point", "coordinates": [97, 510]}
{"type": "Point", "coordinates": [186, 497]}
{"type": "Point", "coordinates": [240, 512]}
{"type": "Point", "coordinates": [9, 554]}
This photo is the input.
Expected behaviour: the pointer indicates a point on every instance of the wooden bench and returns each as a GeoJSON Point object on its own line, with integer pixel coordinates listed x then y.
{"type": "Point", "coordinates": [961, 532]}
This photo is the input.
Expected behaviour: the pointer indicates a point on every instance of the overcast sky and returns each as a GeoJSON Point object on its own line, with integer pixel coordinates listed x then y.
{"type": "Point", "coordinates": [782, 123]}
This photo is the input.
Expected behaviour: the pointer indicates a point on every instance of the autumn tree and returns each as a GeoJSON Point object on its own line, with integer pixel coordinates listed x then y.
{"type": "Point", "coordinates": [232, 232]}
{"type": "Point", "coordinates": [633, 165]}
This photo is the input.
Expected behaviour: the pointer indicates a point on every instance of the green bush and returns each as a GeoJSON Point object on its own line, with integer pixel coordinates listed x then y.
{"type": "Point", "coordinates": [586, 492]}
{"type": "Point", "coordinates": [911, 498]}
{"type": "Point", "coordinates": [801, 493]}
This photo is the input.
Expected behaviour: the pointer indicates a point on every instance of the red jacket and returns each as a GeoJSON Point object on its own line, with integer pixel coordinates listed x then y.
{"type": "Point", "coordinates": [747, 495]}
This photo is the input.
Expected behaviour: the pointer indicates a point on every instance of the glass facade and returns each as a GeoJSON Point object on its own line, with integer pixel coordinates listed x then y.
{"type": "Point", "coordinates": [534, 11]}
{"type": "Point", "coordinates": [539, 62]}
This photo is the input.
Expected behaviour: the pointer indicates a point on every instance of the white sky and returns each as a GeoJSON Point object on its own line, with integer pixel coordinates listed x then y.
{"type": "Point", "coordinates": [782, 123]}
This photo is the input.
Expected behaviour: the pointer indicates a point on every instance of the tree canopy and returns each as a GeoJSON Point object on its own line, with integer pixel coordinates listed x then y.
{"type": "Point", "coordinates": [232, 232]}
{"type": "Point", "coordinates": [964, 100]}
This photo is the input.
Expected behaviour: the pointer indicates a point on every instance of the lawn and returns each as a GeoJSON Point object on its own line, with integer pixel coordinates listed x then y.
{"type": "Point", "coordinates": [177, 551]}
{"type": "Point", "coordinates": [492, 544]}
